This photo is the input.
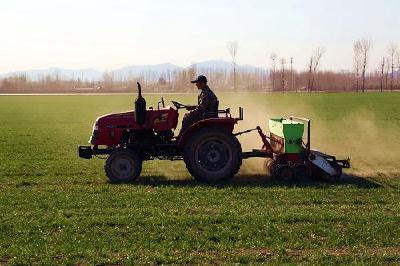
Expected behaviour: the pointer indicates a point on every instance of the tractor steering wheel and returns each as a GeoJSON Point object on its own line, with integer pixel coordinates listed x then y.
{"type": "Point", "coordinates": [178, 105]}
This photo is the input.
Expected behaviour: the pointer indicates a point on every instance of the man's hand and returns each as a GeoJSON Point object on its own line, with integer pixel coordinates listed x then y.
{"type": "Point", "coordinates": [191, 107]}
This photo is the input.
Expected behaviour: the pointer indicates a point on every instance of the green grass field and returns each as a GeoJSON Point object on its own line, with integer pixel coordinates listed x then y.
{"type": "Point", "coordinates": [57, 208]}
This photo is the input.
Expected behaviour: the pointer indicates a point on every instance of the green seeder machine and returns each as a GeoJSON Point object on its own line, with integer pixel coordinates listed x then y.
{"type": "Point", "coordinates": [289, 154]}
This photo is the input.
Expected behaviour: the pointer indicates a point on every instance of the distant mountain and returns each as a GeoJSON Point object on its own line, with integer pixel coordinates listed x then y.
{"type": "Point", "coordinates": [36, 74]}
{"type": "Point", "coordinates": [221, 65]}
{"type": "Point", "coordinates": [151, 71]}
{"type": "Point", "coordinates": [213, 65]}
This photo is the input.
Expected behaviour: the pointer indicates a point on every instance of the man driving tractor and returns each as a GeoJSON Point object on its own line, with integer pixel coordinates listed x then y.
{"type": "Point", "coordinates": [207, 104]}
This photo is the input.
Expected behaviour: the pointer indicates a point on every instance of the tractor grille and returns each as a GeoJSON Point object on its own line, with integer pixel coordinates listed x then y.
{"type": "Point", "coordinates": [94, 137]}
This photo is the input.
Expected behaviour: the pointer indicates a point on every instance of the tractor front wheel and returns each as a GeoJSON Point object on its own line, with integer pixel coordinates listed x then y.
{"type": "Point", "coordinates": [212, 155]}
{"type": "Point", "coordinates": [123, 165]}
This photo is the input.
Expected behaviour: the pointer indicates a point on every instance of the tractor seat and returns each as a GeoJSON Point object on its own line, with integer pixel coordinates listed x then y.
{"type": "Point", "coordinates": [214, 113]}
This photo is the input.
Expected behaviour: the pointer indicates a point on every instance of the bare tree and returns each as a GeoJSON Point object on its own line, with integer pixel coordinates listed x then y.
{"type": "Point", "coordinates": [393, 51]}
{"type": "Point", "coordinates": [291, 74]}
{"type": "Point", "coordinates": [382, 72]}
{"type": "Point", "coordinates": [108, 80]}
{"type": "Point", "coordinates": [398, 62]}
{"type": "Point", "coordinates": [387, 68]}
{"type": "Point", "coordinates": [273, 57]}
{"type": "Point", "coordinates": [283, 63]}
{"type": "Point", "coordinates": [233, 49]}
{"type": "Point", "coordinates": [313, 67]}
{"type": "Point", "coordinates": [357, 61]}
{"type": "Point", "coordinates": [192, 71]}
{"type": "Point", "coordinates": [364, 45]}
{"type": "Point", "coordinates": [310, 68]}
{"type": "Point", "coordinates": [398, 59]}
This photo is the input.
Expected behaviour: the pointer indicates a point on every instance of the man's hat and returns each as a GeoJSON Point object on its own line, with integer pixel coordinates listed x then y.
{"type": "Point", "coordinates": [199, 79]}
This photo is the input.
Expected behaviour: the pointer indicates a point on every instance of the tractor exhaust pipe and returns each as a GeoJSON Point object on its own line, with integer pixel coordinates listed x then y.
{"type": "Point", "coordinates": [240, 113]}
{"type": "Point", "coordinates": [139, 89]}
{"type": "Point", "coordinates": [140, 107]}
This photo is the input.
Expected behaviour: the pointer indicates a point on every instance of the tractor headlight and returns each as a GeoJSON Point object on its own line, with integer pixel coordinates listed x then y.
{"type": "Point", "coordinates": [95, 133]}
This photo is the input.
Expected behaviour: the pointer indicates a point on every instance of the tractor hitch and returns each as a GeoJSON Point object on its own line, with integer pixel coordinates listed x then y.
{"type": "Point", "coordinates": [85, 152]}
{"type": "Point", "coordinates": [265, 152]}
{"type": "Point", "coordinates": [244, 132]}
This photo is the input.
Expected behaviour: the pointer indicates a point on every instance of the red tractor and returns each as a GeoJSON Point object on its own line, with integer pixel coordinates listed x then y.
{"type": "Point", "coordinates": [209, 148]}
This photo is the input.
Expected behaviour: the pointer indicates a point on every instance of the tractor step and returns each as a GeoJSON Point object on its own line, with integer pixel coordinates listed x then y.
{"type": "Point", "coordinates": [87, 152]}
{"type": "Point", "coordinates": [256, 153]}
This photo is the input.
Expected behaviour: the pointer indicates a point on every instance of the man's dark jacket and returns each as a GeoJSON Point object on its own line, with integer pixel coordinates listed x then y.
{"type": "Point", "coordinates": [207, 103]}
{"type": "Point", "coordinates": [207, 108]}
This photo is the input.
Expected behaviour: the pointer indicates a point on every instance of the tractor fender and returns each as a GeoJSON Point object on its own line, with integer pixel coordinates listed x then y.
{"type": "Point", "coordinates": [227, 123]}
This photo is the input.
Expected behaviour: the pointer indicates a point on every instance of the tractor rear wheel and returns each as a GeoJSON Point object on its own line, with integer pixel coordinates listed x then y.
{"type": "Point", "coordinates": [213, 155]}
{"type": "Point", "coordinates": [123, 165]}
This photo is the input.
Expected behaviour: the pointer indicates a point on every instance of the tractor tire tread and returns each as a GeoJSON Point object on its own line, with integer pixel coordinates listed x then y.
{"type": "Point", "coordinates": [236, 148]}
{"type": "Point", "coordinates": [137, 169]}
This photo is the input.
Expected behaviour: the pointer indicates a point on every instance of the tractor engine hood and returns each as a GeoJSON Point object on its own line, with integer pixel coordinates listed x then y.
{"type": "Point", "coordinates": [107, 128]}
{"type": "Point", "coordinates": [124, 119]}
{"type": "Point", "coordinates": [158, 120]}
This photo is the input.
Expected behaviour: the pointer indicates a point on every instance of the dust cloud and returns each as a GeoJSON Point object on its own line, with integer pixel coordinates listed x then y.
{"type": "Point", "coordinates": [372, 146]}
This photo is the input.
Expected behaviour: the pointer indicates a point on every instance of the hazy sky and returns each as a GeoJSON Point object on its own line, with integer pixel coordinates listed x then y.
{"type": "Point", "coordinates": [115, 33]}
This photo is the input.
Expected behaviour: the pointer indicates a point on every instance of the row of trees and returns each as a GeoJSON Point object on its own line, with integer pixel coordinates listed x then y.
{"type": "Point", "coordinates": [173, 81]}
{"type": "Point", "coordinates": [389, 64]}
{"type": "Point", "coordinates": [384, 77]}
{"type": "Point", "coordinates": [280, 77]}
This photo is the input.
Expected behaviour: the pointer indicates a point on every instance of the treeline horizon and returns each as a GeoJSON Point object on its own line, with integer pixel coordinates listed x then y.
{"type": "Point", "coordinates": [223, 81]}
{"type": "Point", "coordinates": [280, 78]}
